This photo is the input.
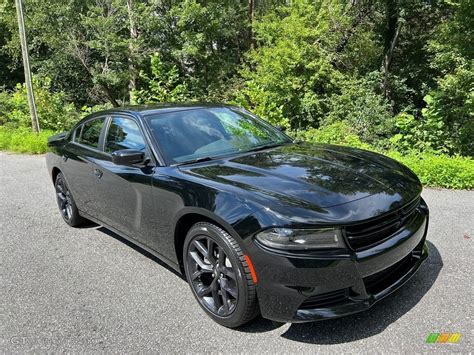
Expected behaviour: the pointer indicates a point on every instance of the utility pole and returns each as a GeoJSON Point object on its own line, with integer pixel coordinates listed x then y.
{"type": "Point", "coordinates": [132, 83]}
{"type": "Point", "coordinates": [251, 14]}
{"type": "Point", "coordinates": [26, 65]}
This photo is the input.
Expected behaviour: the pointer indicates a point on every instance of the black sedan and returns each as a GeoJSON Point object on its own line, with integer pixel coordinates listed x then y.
{"type": "Point", "coordinates": [257, 223]}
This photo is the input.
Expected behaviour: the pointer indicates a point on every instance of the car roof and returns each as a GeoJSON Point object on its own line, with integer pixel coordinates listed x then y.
{"type": "Point", "coordinates": [145, 110]}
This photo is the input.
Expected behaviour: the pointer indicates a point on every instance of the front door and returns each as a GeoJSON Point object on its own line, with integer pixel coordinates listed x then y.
{"type": "Point", "coordinates": [124, 192]}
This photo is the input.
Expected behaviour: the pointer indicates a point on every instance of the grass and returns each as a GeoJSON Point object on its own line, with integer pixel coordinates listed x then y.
{"type": "Point", "coordinates": [23, 140]}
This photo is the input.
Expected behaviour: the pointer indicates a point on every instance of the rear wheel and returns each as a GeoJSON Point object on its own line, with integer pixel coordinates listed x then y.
{"type": "Point", "coordinates": [219, 275]}
{"type": "Point", "coordinates": [66, 204]}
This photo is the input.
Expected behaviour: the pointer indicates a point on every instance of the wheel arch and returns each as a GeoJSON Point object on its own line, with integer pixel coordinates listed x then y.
{"type": "Point", "coordinates": [186, 219]}
{"type": "Point", "coordinates": [54, 173]}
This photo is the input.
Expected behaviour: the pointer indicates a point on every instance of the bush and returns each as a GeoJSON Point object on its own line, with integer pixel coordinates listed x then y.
{"type": "Point", "coordinates": [367, 112]}
{"type": "Point", "coordinates": [446, 124]}
{"type": "Point", "coordinates": [436, 170]}
{"type": "Point", "coordinates": [23, 140]}
{"type": "Point", "coordinates": [164, 84]}
{"type": "Point", "coordinates": [87, 110]}
{"type": "Point", "coordinates": [336, 133]}
{"type": "Point", "coordinates": [425, 134]}
{"type": "Point", "coordinates": [54, 112]}
{"type": "Point", "coordinates": [289, 77]}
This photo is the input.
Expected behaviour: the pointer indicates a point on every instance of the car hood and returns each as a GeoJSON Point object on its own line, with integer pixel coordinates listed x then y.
{"type": "Point", "coordinates": [317, 176]}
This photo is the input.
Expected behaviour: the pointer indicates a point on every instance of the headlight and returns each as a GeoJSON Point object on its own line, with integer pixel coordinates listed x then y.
{"type": "Point", "coordinates": [301, 239]}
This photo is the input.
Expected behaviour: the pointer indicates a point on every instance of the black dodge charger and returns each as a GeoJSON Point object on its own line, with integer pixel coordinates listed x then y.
{"type": "Point", "coordinates": [258, 223]}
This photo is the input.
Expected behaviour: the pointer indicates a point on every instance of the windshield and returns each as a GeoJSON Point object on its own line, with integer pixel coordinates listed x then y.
{"type": "Point", "coordinates": [200, 133]}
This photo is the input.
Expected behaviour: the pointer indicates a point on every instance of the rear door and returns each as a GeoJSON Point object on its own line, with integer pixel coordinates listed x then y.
{"type": "Point", "coordinates": [77, 164]}
{"type": "Point", "coordinates": [124, 192]}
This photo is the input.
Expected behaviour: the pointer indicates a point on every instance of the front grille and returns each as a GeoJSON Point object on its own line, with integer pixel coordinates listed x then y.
{"type": "Point", "coordinates": [383, 279]}
{"type": "Point", "coordinates": [325, 300]}
{"type": "Point", "coordinates": [365, 235]}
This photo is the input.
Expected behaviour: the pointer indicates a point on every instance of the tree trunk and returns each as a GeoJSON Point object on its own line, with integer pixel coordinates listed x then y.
{"type": "Point", "coordinates": [394, 26]}
{"type": "Point", "coordinates": [359, 18]}
{"type": "Point", "coordinates": [109, 95]}
{"type": "Point", "coordinates": [82, 57]}
{"type": "Point", "coordinates": [388, 60]}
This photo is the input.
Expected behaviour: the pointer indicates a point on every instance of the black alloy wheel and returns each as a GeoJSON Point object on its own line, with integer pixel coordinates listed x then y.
{"type": "Point", "coordinates": [219, 276]}
{"type": "Point", "coordinates": [213, 276]}
{"type": "Point", "coordinates": [66, 204]}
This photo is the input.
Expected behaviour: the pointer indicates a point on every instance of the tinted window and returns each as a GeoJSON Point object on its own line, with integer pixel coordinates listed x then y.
{"type": "Point", "coordinates": [77, 133]}
{"type": "Point", "coordinates": [90, 133]}
{"type": "Point", "coordinates": [211, 132]}
{"type": "Point", "coordinates": [124, 134]}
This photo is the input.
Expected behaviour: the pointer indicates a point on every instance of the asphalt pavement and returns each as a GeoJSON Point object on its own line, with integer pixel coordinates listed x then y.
{"type": "Point", "coordinates": [87, 290]}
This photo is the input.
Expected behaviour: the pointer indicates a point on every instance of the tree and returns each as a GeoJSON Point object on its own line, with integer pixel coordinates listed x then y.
{"type": "Point", "coordinates": [290, 75]}
{"type": "Point", "coordinates": [10, 73]}
{"type": "Point", "coordinates": [452, 101]}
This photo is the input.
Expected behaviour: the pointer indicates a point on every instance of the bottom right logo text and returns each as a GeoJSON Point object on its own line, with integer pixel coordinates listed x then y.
{"type": "Point", "coordinates": [452, 338]}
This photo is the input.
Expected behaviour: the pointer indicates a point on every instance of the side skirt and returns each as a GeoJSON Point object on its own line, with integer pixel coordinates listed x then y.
{"type": "Point", "coordinates": [162, 258]}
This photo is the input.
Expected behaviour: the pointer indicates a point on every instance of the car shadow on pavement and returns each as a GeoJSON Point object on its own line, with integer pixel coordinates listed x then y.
{"type": "Point", "coordinates": [138, 249]}
{"type": "Point", "coordinates": [368, 323]}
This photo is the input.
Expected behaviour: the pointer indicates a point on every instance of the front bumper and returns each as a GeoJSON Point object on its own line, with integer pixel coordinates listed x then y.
{"type": "Point", "coordinates": [328, 284]}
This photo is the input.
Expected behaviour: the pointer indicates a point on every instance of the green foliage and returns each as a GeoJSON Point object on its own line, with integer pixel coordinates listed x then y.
{"type": "Point", "coordinates": [446, 124]}
{"type": "Point", "coordinates": [451, 43]}
{"type": "Point", "coordinates": [336, 133]}
{"type": "Point", "coordinates": [453, 106]}
{"type": "Point", "coordinates": [54, 112]}
{"type": "Point", "coordinates": [289, 77]}
{"type": "Point", "coordinates": [436, 170]}
{"type": "Point", "coordinates": [439, 170]}
{"type": "Point", "coordinates": [363, 109]}
{"type": "Point", "coordinates": [87, 110]}
{"type": "Point", "coordinates": [163, 85]}
{"type": "Point", "coordinates": [385, 75]}
{"type": "Point", "coordinates": [209, 37]}
{"type": "Point", "coordinates": [452, 101]}
{"type": "Point", "coordinates": [426, 134]}
{"type": "Point", "coordinates": [23, 140]}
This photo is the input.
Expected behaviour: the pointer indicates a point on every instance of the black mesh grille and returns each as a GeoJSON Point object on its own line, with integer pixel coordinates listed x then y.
{"type": "Point", "coordinates": [368, 234]}
{"type": "Point", "coordinates": [325, 300]}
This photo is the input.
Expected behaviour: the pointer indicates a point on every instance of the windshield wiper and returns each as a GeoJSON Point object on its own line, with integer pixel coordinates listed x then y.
{"type": "Point", "coordinates": [256, 149]}
{"type": "Point", "coordinates": [197, 160]}
{"type": "Point", "coordinates": [265, 146]}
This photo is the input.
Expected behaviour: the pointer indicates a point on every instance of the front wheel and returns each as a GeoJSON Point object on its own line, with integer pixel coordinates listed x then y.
{"type": "Point", "coordinates": [66, 204]}
{"type": "Point", "coordinates": [219, 276]}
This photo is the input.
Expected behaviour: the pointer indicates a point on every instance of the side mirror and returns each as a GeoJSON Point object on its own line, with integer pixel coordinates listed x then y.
{"type": "Point", "coordinates": [129, 157]}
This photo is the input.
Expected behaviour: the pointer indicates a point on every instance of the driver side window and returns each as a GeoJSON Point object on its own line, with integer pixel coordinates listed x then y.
{"type": "Point", "coordinates": [124, 133]}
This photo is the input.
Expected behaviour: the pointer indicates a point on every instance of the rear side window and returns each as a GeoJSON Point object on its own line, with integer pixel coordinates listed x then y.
{"type": "Point", "coordinates": [90, 133]}
{"type": "Point", "coordinates": [124, 134]}
{"type": "Point", "coordinates": [77, 133]}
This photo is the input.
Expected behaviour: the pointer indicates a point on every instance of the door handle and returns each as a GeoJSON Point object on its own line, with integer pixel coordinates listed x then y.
{"type": "Point", "coordinates": [98, 173]}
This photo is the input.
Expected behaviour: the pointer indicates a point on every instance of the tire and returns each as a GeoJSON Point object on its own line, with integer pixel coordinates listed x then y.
{"type": "Point", "coordinates": [66, 204]}
{"type": "Point", "coordinates": [221, 281]}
